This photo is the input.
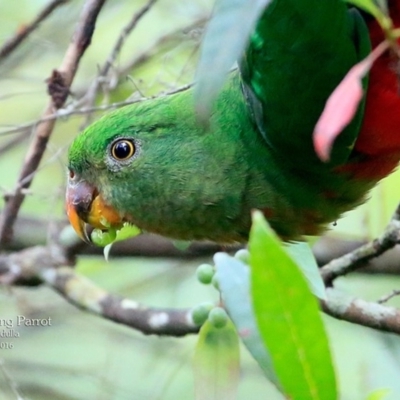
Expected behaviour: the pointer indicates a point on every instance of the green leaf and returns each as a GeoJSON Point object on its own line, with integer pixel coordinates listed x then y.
{"type": "Point", "coordinates": [225, 39]}
{"type": "Point", "coordinates": [303, 256]}
{"type": "Point", "coordinates": [103, 238]}
{"type": "Point", "coordinates": [216, 363]}
{"type": "Point", "coordinates": [127, 231]}
{"type": "Point", "coordinates": [234, 283]}
{"type": "Point", "coordinates": [288, 318]}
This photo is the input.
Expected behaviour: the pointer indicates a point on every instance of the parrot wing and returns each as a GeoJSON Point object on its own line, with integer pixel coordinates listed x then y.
{"type": "Point", "coordinates": [297, 55]}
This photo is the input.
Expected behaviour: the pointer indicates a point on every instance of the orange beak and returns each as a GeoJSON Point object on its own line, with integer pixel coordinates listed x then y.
{"type": "Point", "coordinates": [86, 206]}
{"type": "Point", "coordinates": [77, 223]}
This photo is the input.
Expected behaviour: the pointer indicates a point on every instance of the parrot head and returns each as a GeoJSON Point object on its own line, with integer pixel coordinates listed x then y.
{"type": "Point", "coordinates": [112, 169]}
{"type": "Point", "coordinates": [148, 164]}
{"type": "Point", "coordinates": [85, 202]}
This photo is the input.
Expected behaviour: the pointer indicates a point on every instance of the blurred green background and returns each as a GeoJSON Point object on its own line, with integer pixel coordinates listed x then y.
{"type": "Point", "coordinates": [81, 356]}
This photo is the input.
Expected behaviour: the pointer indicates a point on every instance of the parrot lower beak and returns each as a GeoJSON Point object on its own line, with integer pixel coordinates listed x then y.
{"type": "Point", "coordinates": [77, 223]}
{"type": "Point", "coordinates": [86, 206]}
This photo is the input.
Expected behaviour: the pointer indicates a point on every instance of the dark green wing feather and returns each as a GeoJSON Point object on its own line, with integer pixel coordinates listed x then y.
{"type": "Point", "coordinates": [299, 52]}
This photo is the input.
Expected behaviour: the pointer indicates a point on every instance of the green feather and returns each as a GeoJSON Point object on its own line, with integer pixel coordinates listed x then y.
{"type": "Point", "coordinates": [188, 181]}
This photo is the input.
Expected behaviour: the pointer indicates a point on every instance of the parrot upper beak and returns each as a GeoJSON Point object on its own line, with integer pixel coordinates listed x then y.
{"type": "Point", "coordinates": [85, 206]}
{"type": "Point", "coordinates": [79, 199]}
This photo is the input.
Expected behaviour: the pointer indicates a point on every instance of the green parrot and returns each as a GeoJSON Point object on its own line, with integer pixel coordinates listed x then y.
{"type": "Point", "coordinates": [153, 164]}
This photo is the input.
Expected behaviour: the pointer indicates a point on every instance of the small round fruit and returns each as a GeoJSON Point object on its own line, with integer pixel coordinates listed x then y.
{"type": "Point", "coordinates": [243, 255]}
{"type": "Point", "coordinates": [200, 313]}
{"type": "Point", "coordinates": [218, 317]}
{"type": "Point", "coordinates": [205, 273]}
{"type": "Point", "coordinates": [103, 238]}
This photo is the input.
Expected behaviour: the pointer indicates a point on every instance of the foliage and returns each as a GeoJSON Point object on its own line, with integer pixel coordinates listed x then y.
{"type": "Point", "coordinates": [286, 335]}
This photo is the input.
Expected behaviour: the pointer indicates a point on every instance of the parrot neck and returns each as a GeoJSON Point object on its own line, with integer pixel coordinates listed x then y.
{"type": "Point", "coordinates": [378, 146]}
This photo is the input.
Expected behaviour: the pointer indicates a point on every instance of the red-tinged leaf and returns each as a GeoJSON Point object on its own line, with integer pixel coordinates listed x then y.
{"type": "Point", "coordinates": [342, 105]}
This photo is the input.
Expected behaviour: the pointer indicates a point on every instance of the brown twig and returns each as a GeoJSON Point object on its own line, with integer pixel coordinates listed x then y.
{"type": "Point", "coordinates": [23, 32]}
{"type": "Point", "coordinates": [123, 36]}
{"type": "Point", "coordinates": [48, 264]}
{"type": "Point", "coordinates": [140, 59]}
{"type": "Point", "coordinates": [92, 91]}
{"type": "Point", "coordinates": [58, 87]}
{"type": "Point", "coordinates": [25, 128]}
{"type": "Point", "coordinates": [31, 231]}
{"type": "Point", "coordinates": [387, 297]}
{"type": "Point", "coordinates": [84, 294]}
{"type": "Point", "coordinates": [355, 310]}
{"type": "Point", "coordinates": [361, 312]}
{"type": "Point", "coordinates": [357, 258]}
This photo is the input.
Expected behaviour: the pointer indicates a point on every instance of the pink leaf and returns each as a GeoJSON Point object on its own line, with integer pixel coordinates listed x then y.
{"type": "Point", "coordinates": [342, 105]}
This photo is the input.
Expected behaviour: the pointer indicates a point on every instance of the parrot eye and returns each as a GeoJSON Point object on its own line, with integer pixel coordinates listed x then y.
{"type": "Point", "coordinates": [122, 149]}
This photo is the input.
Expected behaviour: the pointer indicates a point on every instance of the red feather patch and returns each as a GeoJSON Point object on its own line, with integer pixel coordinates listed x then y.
{"type": "Point", "coordinates": [342, 105]}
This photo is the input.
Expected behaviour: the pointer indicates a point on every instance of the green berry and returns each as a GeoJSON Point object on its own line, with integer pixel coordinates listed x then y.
{"type": "Point", "coordinates": [218, 317]}
{"type": "Point", "coordinates": [243, 255]}
{"type": "Point", "coordinates": [103, 238]}
{"type": "Point", "coordinates": [200, 313]}
{"type": "Point", "coordinates": [205, 273]}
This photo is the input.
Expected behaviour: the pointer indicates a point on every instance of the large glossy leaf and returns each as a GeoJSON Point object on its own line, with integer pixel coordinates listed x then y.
{"type": "Point", "coordinates": [288, 318]}
{"type": "Point", "coordinates": [225, 39]}
{"type": "Point", "coordinates": [216, 363]}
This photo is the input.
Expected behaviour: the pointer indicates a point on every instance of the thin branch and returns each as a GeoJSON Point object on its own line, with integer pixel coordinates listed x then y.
{"type": "Point", "coordinates": [329, 247]}
{"type": "Point", "coordinates": [48, 264]}
{"type": "Point", "coordinates": [76, 107]}
{"type": "Point", "coordinates": [355, 310]}
{"type": "Point", "coordinates": [66, 112]}
{"type": "Point", "coordinates": [357, 258]}
{"type": "Point", "coordinates": [30, 231]}
{"type": "Point", "coordinates": [140, 59]}
{"type": "Point", "coordinates": [58, 87]}
{"type": "Point", "coordinates": [123, 36]}
{"type": "Point", "coordinates": [23, 32]}
{"type": "Point", "coordinates": [83, 293]}
{"type": "Point", "coordinates": [90, 96]}
{"type": "Point", "coordinates": [361, 312]}
{"type": "Point", "coordinates": [387, 297]}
